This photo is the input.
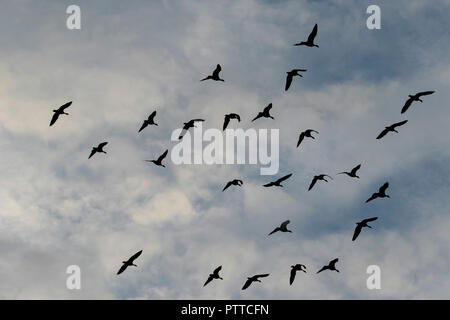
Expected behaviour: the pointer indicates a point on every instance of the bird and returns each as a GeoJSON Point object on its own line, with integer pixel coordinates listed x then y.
{"type": "Point", "coordinates": [214, 275]}
{"type": "Point", "coordinates": [294, 269]}
{"type": "Point", "coordinates": [306, 134]}
{"type": "Point", "coordinates": [391, 128]}
{"type": "Point", "coordinates": [413, 98]}
{"type": "Point", "coordinates": [277, 183]}
{"type": "Point", "coordinates": [158, 161]}
{"type": "Point", "coordinates": [235, 182]}
{"type": "Point", "coordinates": [187, 126]}
{"type": "Point", "coordinates": [360, 225]}
{"type": "Point", "coordinates": [59, 111]}
{"type": "Point", "coordinates": [228, 117]}
{"type": "Point", "coordinates": [255, 278]}
{"type": "Point", "coordinates": [352, 173]}
{"type": "Point", "coordinates": [310, 41]}
{"type": "Point", "coordinates": [282, 228]}
{"type": "Point", "coordinates": [381, 193]}
{"type": "Point", "coordinates": [290, 75]}
{"type": "Point", "coordinates": [330, 266]}
{"type": "Point", "coordinates": [99, 148]}
{"type": "Point", "coordinates": [265, 113]}
{"type": "Point", "coordinates": [129, 262]}
{"type": "Point", "coordinates": [318, 177]}
{"type": "Point", "coordinates": [149, 121]}
{"type": "Point", "coordinates": [215, 74]}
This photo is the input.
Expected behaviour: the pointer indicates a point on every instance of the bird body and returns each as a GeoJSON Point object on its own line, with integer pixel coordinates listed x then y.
{"type": "Point", "coordinates": [214, 275]}
{"type": "Point", "coordinates": [215, 74]}
{"type": "Point", "coordinates": [59, 111]}
{"type": "Point", "coordinates": [415, 97]}
{"type": "Point", "coordinates": [306, 134]}
{"type": "Point", "coordinates": [255, 278]}
{"type": "Point", "coordinates": [360, 225]}
{"type": "Point", "coordinates": [158, 161]}
{"type": "Point", "coordinates": [277, 183]}
{"type": "Point", "coordinates": [99, 149]}
{"type": "Point", "coordinates": [317, 178]}
{"type": "Point", "coordinates": [235, 182]}
{"type": "Point", "coordinates": [228, 117]}
{"type": "Point", "coordinates": [330, 266]}
{"type": "Point", "coordinates": [294, 269]}
{"type": "Point", "coordinates": [282, 227]}
{"type": "Point", "coordinates": [352, 173]}
{"type": "Point", "coordinates": [392, 128]}
{"type": "Point", "coordinates": [310, 41]}
{"type": "Point", "coordinates": [187, 126]}
{"type": "Point", "coordinates": [290, 75]}
{"type": "Point", "coordinates": [149, 121]}
{"type": "Point", "coordinates": [265, 113]}
{"type": "Point", "coordinates": [129, 262]}
{"type": "Point", "coordinates": [381, 193]}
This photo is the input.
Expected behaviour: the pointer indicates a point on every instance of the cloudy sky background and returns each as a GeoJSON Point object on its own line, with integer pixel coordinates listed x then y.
{"type": "Point", "coordinates": [57, 208]}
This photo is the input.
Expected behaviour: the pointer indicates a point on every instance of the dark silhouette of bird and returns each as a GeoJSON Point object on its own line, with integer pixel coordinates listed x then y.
{"type": "Point", "coordinates": [353, 172]}
{"type": "Point", "coordinates": [255, 278]}
{"type": "Point", "coordinates": [392, 128]}
{"type": "Point", "coordinates": [310, 41]}
{"type": "Point", "coordinates": [215, 74]}
{"type": "Point", "coordinates": [330, 266]}
{"type": "Point", "coordinates": [129, 262]}
{"type": "Point", "coordinates": [158, 161]}
{"type": "Point", "coordinates": [381, 193]}
{"type": "Point", "coordinates": [282, 227]}
{"type": "Point", "coordinates": [235, 182]}
{"type": "Point", "coordinates": [306, 134]}
{"type": "Point", "coordinates": [290, 75]}
{"type": "Point", "coordinates": [99, 148]}
{"type": "Point", "coordinates": [187, 126]}
{"type": "Point", "coordinates": [214, 275]}
{"type": "Point", "coordinates": [59, 111]}
{"type": "Point", "coordinates": [294, 269]}
{"type": "Point", "coordinates": [150, 121]}
{"type": "Point", "coordinates": [228, 117]}
{"type": "Point", "coordinates": [277, 183]}
{"type": "Point", "coordinates": [413, 98]}
{"type": "Point", "coordinates": [360, 225]}
{"type": "Point", "coordinates": [265, 113]}
{"type": "Point", "coordinates": [318, 177]}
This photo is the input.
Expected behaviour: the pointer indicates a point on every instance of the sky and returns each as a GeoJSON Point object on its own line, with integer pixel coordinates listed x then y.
{"type": "Point", "coordinates": [57, 208]}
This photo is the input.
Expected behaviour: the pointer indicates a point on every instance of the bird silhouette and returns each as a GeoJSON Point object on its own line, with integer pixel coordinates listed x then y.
{"type": "Point", "coordinates": [277, 183]}
{"type": "Point", "coordinates": [330, 266]}
{"type": "Point", "coordinates": [149, 121]}
{"type": "Point", "coordinates": [99, 148]}
{"type": "Point", "coordinates": [352, 173]}
{"type": "Point", "coordinates": [215, 74]}
{"type": "Point", "coordinates": [235, 182]}
{"type": "Point", "coordinates": [255, 278]}
{"type": "Point", "coordinates": [158, 161]}
{"type": "Point", "coordinates": [381, 193]}
{"type": "Point", "coordinates": [360, 225]}
{"type": "Point", "coordinates": [265, 113]}
{"type": "Point", "coordinates": [129, 262]}
{"type": "Point", "coordinates": [310, 41]}
{"type": "Point", "coordinates": [318, 177]}
{"type": "Point", "coordinates": [392, 128]}
{"type": "Point", "coordinates": [290, 75]}
{"type": "Point", "coordinates": [187, 126]}
{"type": "Point", "coordinates": [413, 98]}
{"type": "Point", "coordinates": [59, 111]}
{"type": "Point", "coordinates": [294, 269]}
{"type": "Point", "coordinates": [214, 275]}
{"type": "Point", "coordinates": [306, 134]}
{"type": "Point", "coordinates": [282, 227]}
{"type": "Point", "coordinates": [228, 117]}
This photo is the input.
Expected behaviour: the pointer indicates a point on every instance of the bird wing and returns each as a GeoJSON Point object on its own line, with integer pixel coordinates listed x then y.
{"type": "Point", "coordinates": [143, 126]}
{"type": "Point", "coordinates": [247, 284]}
{"type": "Point", "coordinates": [407, 105]}
{"type": "Point", "coordinates": [384, 187]}
{"type": "Point", "coordinates": [313, 182]}
{"type": "Point", "coordinates": [382, 133]}
{"type": "Point", "coordinates": [355, 169]}
{"type": "Point", "coordinates": [267, 109]}
{"type": "Point", "coordinates": [208, 280]}
{"type": "Point", "coordinates": [261, 275]}
{"type": "Point", "coordinates": [226, 122]}
{"type": "Point", "coordinates": [183, 131]}
{"type": "Point", "coordinates": [152, 116]}
{"type": "Point", "coordinates": [284, 178]}
{"type": "Point", "coordinates": [372, 197]}
{"type": "Point", "coordinates": [161, 157]}
{"type": "Point", "coordinates": [54, 118]}
{"type": "Point", "coordinates": [313, 34]}
{"type": "Point", "coordinates": [398, 124]}
{"type": "Point", "coordinates": [424, 93]}
{"type": "Point", "coordinates": [122, 268]}
{"type": "Point", "coordinates": [217, 270]}
{"type": "Point", "coordinates": [285, 223]}
{"type": "Point", "coordinates": [333, 262]}
{"type": "Point", "coordinates": [274, 230]}
{"type": "Point", "coordinates": [292, 277]}
{"type": "Point", "coordinates": [323, 268]}
{"type": "Point", "coordinates": [288, 81]}
{"type": "Point", "coordinates": [357, 232]}
{"type": "Point", "coordinates": [268, 184]}
{"type": "Point", "coordinates": [237, 117]}
{"type": "Point", "coordinates": [66, 105]}
{"type": "Point", "coordinates": [369, 219]}
{"type": "Point", "coordinates": [257, 117]}
{"type": "Point", "coordinates": [300, 138]}
{"type": "Point", "coordinates": [101, 145]}
{"type": "Point", "coordinates": [217, 70]}
{"type": "Point", "coordinates": [134, 256]}
{"type": "Point", "coordinates": [92, 153]}
{"type": "Point", "coordinates": [227, 185]}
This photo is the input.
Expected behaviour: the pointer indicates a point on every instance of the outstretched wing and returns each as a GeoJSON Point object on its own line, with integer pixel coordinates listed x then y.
{"type": "Point", "coordinates": [226, 186]}
{"type": "Point", "coordinates": [398, 124]}
{"type": "Point", "coordinates": [122, 268]}
{"type": "Point", "coordinates": [208, 280]}
{"type": "Point", "coordinates": [247, 284]}
{"type": "Point", "coordinates": [323, 268]}
{"type": "Point", "coordinates": [54, 118]}
{"type": "Point", "coordinates": [355, 169]}
{"type": "Point", "coordinates": [300, 138]}
{"type": "Point", "coordinates": [274, 230]}
{"type": "Point", "coordinates": [226, 122]}
{"type": "Point", "coordinates": [143, 126]}
{"type": "Point", "coordinates": [267, 109]}
{"type": "Point", "coordinates": [284, 178]}
{"type": "Point", "coordinates": [217, 270]}
{"type": "Point", "coordinates": [313, 34]}
{"type": "Point", "coordinates": [92, 153]}
{"type": "Point", "coordinates": [152, 116]}
{"type": "Point", "coordinates": [333, 262]}
{"type": "Point", "coordinates": [382, 133]}
{"type": "Point", "coordinates": [407, 105]}
{"type": "Point", "coordinates": [288, 81]}
{"type": "Point", "coordinates": [357, 232]}
{"type": "Point", "coordinates": [134, 256]}
{"type": "Point", "coordinates": [384, 187]}
{"type": "Point", "coordinates": [424, 93]}
{"type": "Point", "coordinates": [261, 275]}
{"type": "Point", "coordinates": [313, 182]}
{"type": "Point", "coordinates": [257, 117]}
{"type": "Point", "coordinates": [285, 223]}
{"type": "Point", "coordinates": [217, 70]}
{"type": "Point", "coordinates": [372, 197]}
{"type": "Point", "coordinates": [292, 277]}
{"type": "Point", "coordinates": [268, 184]}
{"type": "Point", "coordinates": [369, 219]}
{"type": "Point", "coordinates": [161, 157]}
{"type": "Point", "coordinates": [101, 145]}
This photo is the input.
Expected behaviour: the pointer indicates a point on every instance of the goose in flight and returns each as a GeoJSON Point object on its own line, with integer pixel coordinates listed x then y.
{"type": "Point", "coordinates": [129, 262]}
{"type": "Point", "coordinates": [413, 98]}
{"type": "Point", "coordinates": [265, 113]}
{"type": "Point", "coordinates": [187, 126]}
{"type": "Point", "coordinates": [380, 194]}
{"type": "Point", "coordinates": [310, 41]}
{"type": "Point", "coordinates": [282, 227]}
{"type": "Point", "coordinates": [255, 278]}
{"type": "Point", "coordinates": [214, 275]}
{"type": "Point", "coordinates": [99, 148]}
{"type": "Point", "coordinates": [318, 177]}
{"type": "Point", "coordinates": [360, 225]}
{"type": "Point", "coordinates": [149, 121]}
{"type": "Point", "coordinates": [278, 182]}
{"type": "Point", "coordinates": [306, 134]}
{"type": "Point", "coordinates": [215, 74]}
{"type": "Point", "coordinates": [330, 266]}
{"type": "Point", "coordinates": [290, 75]}
{"type": "Point", "coordinates": [158, 161]}
{"type": "Point", "coordinates": [392, 128]}
{"type": "Point", "coordinates": [228, 117]}
{"type": "Point", "coordinates": [352, 173]}
{"type": "Point", "coordinates": [59, 111]}
{"type": "Point", "coordinates": [294, 269]}
{"type": "Point", "coordinates": [235, 182]}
